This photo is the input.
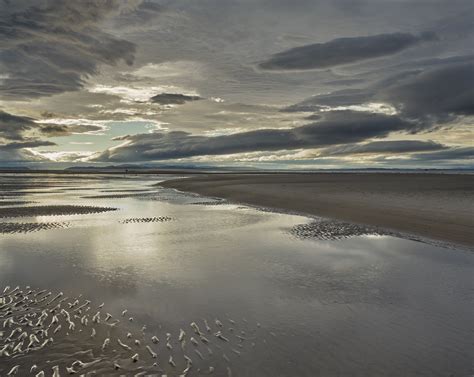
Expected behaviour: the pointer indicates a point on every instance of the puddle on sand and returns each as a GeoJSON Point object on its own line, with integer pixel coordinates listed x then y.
{"type": "Point", "coordinates": [330, 301]}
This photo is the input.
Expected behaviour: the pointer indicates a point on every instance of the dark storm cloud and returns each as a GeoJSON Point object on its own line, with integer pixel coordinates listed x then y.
{"type": "Point", "coordinates": [343, 51]}
{"type": "Point", "coordinates": [344, 97]}
{"type": "Point", "coordinates": [145, 12]}
{"type": "Point", "coordinates": [457, 153]}
{"type": "Point", "coordinates": [439, 92]}
{"type": "Point", "coordinates": [454, 157]}
{"type": "Point", "coordinates": [173, 98]}
{"type": "Point", "coordinates": [13, 138]}
{"type": "Point", "coordinates": [20, 128]}
{"type": "Point", "coordinates": [335, 128]}
{"type": "Point", "coordinates": [391, 147]}
{"type": "Point", "coordinates": [13, 127]}
{"type": "Point", "coordinates": [50, 46]}
{"type": "Point", "coordinates": [429, 95]}
{"type": "Point", "coordinates": [19, 156]}
{"type": "Point", "coordinates": [54, 130]}
{"type": "Point", "coordinates": [26, 144]}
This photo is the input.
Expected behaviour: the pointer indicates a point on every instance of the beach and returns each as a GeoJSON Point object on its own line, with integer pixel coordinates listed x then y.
{"type": "Point", "coordinates": [116, 275]}
{"type": "Point", "coordinates": [436, 206]}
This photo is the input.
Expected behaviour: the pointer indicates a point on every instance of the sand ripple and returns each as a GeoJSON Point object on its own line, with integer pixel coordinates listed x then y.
{"type": "Point", "coordinates": [51, 210]}
{"type": "Point", "coordinates": [210, 202]}
{"type": "Point", "coordinates": [158, 219]}
{"type": "Point", "coordinates": [334, 230]}
{"type": "Point", "coordinates": [11, 228]}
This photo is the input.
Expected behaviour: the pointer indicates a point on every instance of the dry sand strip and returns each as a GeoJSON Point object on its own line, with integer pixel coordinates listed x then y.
{"type": "Point", "coordinates": [437, 206]}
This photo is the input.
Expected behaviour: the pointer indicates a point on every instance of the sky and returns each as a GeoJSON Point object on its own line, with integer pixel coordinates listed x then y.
{"type": "Point", "coordinates": [285, 84]}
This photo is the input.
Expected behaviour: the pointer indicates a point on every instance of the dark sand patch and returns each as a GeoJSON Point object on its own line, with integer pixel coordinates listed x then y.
{"type": "Point", "coordinates": [210, 203]}
{"type": "Point", "coordinates": [12, 228]}
{"type": "Point", "coordinates": [28, 192]}
{"type": "Point", "coordinates": [126, 190]}
{"type": "Point", "coordinates": [136, 220]}
{"type": "Point", "coordinates": [25, 186]}
{"type": "Point", "coordinates": [334, 230]}
{"type": "Point", "coordinates": [78, 189]}
{"type": "Point", "coordinates": [120, 196]}
{"type": "Point", "coordinates": [51, 210]}
{"type": "Point", "coordinates": [6, 203]}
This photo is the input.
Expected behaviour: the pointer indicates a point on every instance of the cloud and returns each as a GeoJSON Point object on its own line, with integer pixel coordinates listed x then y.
{"type": "Point", "coordinates": [336, 128]}
{"type": "Point", "coordinates": [457, 153]}
{"type": "Point", "coordinates": [55, 130]}
{"type": "Point", "coordinates": [344, 97]}
{"type": "Point", "coordinates": [144, 12]}
{"type": "Point", "coordinates": [429, 95]}
{"type": "Point", "coordinates": [50, 46]}
{"type": "Point", "coordinates": [343, 51]}
{"type": "Point", "coordinates": [384, 147]}
{"type": "Point", "coordinates": [439, 92]}
{"type": "Point", "coordinates": [21, 150]}
{"type": "Point", "coordinates": [209, 49]}
{"type": "Point", "coordinates": [24, 132]}
{"type": "Point", "coordinates": [13, 127]}
{"type": "Point", "coordinates": [26, 144]}
{"type": "Point", "coordinates": [132, 93]}
{"type": "Point", "coordinates": [173, 98]}
{"type": "Point", "coordinates": [9, 156]}
{"type": "Point", "coordinates": [64, 156]}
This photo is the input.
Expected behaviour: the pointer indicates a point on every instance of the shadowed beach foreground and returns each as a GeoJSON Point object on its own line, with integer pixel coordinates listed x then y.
{"type": "Point", "coordinates": [438, 206]}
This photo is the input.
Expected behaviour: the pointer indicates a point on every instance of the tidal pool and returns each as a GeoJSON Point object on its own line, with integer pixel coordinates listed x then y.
{"type": "Point", "coordinates": [267, 301]}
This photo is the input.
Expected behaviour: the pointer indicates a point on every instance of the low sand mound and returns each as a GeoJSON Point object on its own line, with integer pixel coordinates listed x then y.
{"type": "Point", "coordinates": [334, 230]}
{"type": "Point", "coordinates": [135, 220]}
{"type": "Point", "coordinates": [121, 191]}
{"type": "Point", "coordinates": [210, 203]}
{"type": "Point", "coordinates": [12, 228]}
{"type": "Point", "coordinates": [121, 196]}
{"type": "Point", "coordinates": [51, 210]}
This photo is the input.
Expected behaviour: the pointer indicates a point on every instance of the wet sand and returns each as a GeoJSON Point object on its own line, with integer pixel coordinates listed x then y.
{"type": "Point", "coordinates": [172, 283]}
{"type": "Point", "coordinates": [436, 206]}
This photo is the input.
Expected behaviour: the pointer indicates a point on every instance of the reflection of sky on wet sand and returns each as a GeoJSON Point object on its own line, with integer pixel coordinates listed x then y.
{"type": "Point", "coordinates": [360, 306]}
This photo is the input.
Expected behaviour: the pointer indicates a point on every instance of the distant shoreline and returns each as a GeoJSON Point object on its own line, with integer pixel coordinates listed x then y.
{"type": "Point", "coordinates": [436, 206]}
{"type": "Point", "coordinates": [191, 171]}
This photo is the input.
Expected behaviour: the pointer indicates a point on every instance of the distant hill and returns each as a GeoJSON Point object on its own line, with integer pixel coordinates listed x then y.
{"type": "Point", "coordinates": [13, 168]}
